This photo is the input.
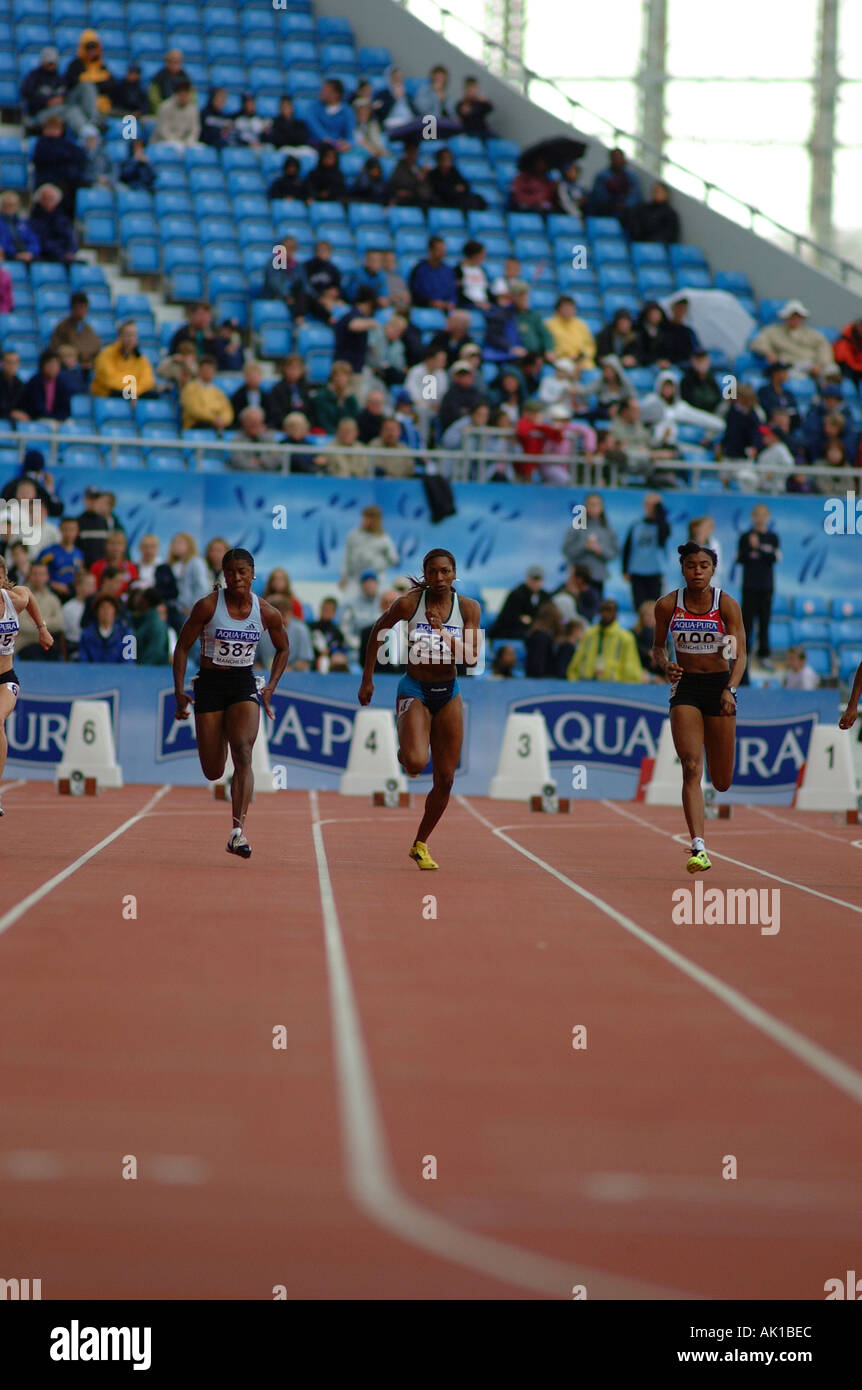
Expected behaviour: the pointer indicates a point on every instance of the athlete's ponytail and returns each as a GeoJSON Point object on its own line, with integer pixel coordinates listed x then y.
{"type": "Point", "coordinates": [432, 555]}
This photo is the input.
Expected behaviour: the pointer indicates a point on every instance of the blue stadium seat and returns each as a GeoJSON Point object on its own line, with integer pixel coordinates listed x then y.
{"type": "Point", "coordinates": [330, 28]}
{"type": "Point", "coordinates": [186, 285]}
{"type": "Point", "coordinates": [374, 58]}
{"type": "Point", "coordinates": [499, 149]}
{"type": "Point", "coordinates": [311, 336]}
{"type": "Point", "coordinates": [769, 308]}
{"type": "Point", "coordinates": [610, 276]}
{"type": "Point", "coordinates": [441, 220]}
{"type": "Point", "coordinates": [780, 634]}
{"type": "Point", "coordinates": [820, 660]}
{"type": "Point", "coordinates": [649, 253]}
{"type": "Point", "coordinates": [612, 300]}
{"type": "Point", "coordinates": [265, 311]}
{"type": "Point", "coordinates": [142, 257]}
{"type": "Point", "coordinates": [274, 340]}
{"type": "Point", "coordinates": [686, 255]}
{"type": "Point", "coordinates": [693, 277]}
{"type": "Point", "coordinates": [735, 281]}
{"type": "Point", "coordinates": [361, 214]}
{"type": "Point", "coordinates": [100, 229]}
{"type": "Point", "coordinates": [848, 662]}
{"type": "Point", "coordinates": [610, 251]}
{"type": "Point", "coordinates": [371, 238]}
{"type": "Point", "coordinates": [532, 248]}
{"type": "Point", "coordinates": [603, 227]}
{"type": "Point", "coordinates": [810, 606]}
{"type": "Point", "coordinates": [111, 408]}
{"type": "Point", "coordinates": [653, 281]}
{"type": "Point", "coordinates": [414, 217]}
{"type": "Point", "coordinates": [807, 631]}
{"type": "Point", "coordinates": [846, 631]}
{"type": "Point", "coordinates": [846, 607]}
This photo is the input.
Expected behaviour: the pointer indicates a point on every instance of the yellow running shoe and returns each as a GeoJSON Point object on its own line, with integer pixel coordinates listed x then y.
{"type": "Point", "coordinates": [419, 852]}
{"type": "Point", "coordinates": [699, 863]}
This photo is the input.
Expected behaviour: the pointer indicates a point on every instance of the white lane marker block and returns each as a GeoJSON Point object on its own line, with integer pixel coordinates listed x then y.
{"type": "Point", "coordinates": [372, 761]}
{"type": "Point", "coordinates": [89, 747]}
{"type": "Point", "coordinates": [829, 780]}
{"type": "Point", "coordinates": [524, 765]}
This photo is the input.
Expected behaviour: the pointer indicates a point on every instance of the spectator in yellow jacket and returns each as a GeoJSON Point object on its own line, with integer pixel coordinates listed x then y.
{"type": "Point", "coordinates": [120, 369]}
{"type": "Point", "coordinates": [204, 405]}
{"type": "Point", "coordinates": [571, 336]}
{"type": "Point", "coordinates": [606, 652]}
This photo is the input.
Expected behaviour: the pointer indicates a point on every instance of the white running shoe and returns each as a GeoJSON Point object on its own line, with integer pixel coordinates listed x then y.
{"type": "Point", "coordinates": [238, 844]}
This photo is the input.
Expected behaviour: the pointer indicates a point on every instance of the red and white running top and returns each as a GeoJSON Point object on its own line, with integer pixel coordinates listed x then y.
{"type": "Point", "coordinates": [696, 634]}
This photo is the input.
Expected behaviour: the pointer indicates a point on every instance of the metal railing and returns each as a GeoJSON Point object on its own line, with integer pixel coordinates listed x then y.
{"type": "Point", "coordinates": [843, 269]}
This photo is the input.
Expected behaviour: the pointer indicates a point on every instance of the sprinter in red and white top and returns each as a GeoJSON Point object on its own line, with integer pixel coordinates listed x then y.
{"type": "Point", "coordinates": [14, 599]}
{"type": "Point", "coordinates": [709, 662]}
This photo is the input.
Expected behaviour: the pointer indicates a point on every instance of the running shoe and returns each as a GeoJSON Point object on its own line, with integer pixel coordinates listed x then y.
{"type": "Point", "coordinates": [238, 844]}
{"type": "Point", "coordinates": [419, 852]}
{"type": "Point", "coordinates": [699, 863]}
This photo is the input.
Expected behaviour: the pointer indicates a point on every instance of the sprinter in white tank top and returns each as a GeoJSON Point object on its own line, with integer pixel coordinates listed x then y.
{"type": "Point", "coordinates": [443, 633]}
{"type": "Point", "coordinates": [709, 663]}
{"type": "Point", "coordinates": [230, 622]}
{"type": "Point", "coordinates": [14, 599]}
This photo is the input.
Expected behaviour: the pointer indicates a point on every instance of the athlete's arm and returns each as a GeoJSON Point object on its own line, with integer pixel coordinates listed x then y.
{"type": "Point", "coordinates": [191, 631]}
{"type": "Point", "coordinates": [25, 601]}
{"type": "Point", "coordinates": [274, 624]}
{"type": "Point", "coordinates": [660, 660]}
{"type": "Point", "coordinates": [731, 614]}
{"type": "Point", "coordinates": [402, 608]}
{"type": "Point", "coordinates": [848, 718]}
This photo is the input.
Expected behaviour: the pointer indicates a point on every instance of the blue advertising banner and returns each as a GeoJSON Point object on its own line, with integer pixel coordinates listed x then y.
{"type": "Point", "coordinates": [606, 729]}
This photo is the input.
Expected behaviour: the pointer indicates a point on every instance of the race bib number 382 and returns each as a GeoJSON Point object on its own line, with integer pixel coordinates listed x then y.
{"type": "Point", "coordinates": [232, 648]}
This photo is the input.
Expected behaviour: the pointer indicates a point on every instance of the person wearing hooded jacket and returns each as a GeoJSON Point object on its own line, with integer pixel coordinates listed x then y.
{"type": "Point", "coordinates": [88, 70]}
{"type": "Point", "coordinates": [664, 409]}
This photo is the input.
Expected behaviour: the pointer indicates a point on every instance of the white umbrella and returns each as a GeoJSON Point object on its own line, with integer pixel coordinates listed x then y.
{"type": "Point", "coordinates": [717, 317]}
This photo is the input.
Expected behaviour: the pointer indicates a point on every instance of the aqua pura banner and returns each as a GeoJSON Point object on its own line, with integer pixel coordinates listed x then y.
{"type": "Point", "coordinates": [606, 729]}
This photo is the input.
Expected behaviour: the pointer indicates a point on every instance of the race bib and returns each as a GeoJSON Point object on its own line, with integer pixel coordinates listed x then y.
{"type": "Point", "coordinates": [8, 633]}
{"type": "Point", "coordinates": [232, 647]}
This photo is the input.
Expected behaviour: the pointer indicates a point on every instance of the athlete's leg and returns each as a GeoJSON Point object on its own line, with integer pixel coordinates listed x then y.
{"type": "Point", "coordinates": [447, 729]}
{"type": "Point", "coordinates": [414, 732]}
{"type": "Point", "coordinates": [686, 726]}
{"type": "Point", "coordinates": [241, 722]}
{"type": "Point", "coordinates": [8, 701]}
{"type": "Point", "coordinates": [719, 738]}
{"type": "Point", "coordinates": [212, 744]}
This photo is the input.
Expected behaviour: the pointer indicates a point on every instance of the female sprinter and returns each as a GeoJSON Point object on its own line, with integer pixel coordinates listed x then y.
{"type": "Point", "coordinates": [442, 631]}
{"type": "Point", "coordinates": [230, 622]}
{"type": "Point", "coordinates": [14, 599]}
{"type": "Point", "coordinates": [707, 631]}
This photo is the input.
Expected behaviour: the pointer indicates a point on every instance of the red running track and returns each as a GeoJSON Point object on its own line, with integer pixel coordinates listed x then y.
{"type": "Point", "coordinates": [411, 1036]}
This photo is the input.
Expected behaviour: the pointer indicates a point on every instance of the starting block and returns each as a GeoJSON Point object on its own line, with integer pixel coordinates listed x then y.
{"type": "Point", "coordinates": [391, 795]}
{"type": "Point", "coordinates": [77, 784]}
{"type": "Point", "coordinates": [549, 801]}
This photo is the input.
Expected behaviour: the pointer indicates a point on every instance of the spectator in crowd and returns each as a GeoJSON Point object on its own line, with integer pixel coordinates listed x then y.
{"type": "Point", "coordinates": [592, 543]}
{"type": "Point", "coordinates": [454, 338]}
{"type": "Point", "coordinates": [25, 490]}
{"type": "Point", "coordinates": [426, 384]}
{"type": "Point", "coordinates": [521, 606]}
{"type": "Point", "coordinates": [508, 395]}
{"type": "Point", "coordinates": [791, 340]}
{"type": "Point", "coordinates": [189, 570]}
{"type": "Point", "coordinates": [297, 431]}
{"type": "Point", "coordinates": [340, 465]}
{"type": "Point", "coordinates": [664, 410]}
{"type": "Point", "coordinates": [298, 636]}
{"type": "Point", "coordinates": [613, 389]}
{"type": "Point", "coordinates": [325, 182]}
{"type": "Point", "coordinates": [644, 635]}
{"type": "Point", "coordinates": [699, 387]}
{"type": "Point", "coordinates": [76, 331]}
{"type": "Point", "coordinates": [213, 556]}
{"type": "Point", "coordinates": [742, 438]}
{"type": "Point", "coordinates": [394, 106]}
{"type": "Point", "coordinates": [112, 584]}
{"type": "Point", "coordinates": [290, 392]}
{"type": "Point", "coordinates": [651, 340]}
{"type": "Point", "coordinates": [336, 399]}
{"type": "Point", "coordinates": [505, 663]}
{"type": "Point", "coordinates": [63, 559]}
{"type": "Point", "coordinates": [72, 375]}
{"type": "Point", "coordinates": [432, 98]}
{"type": "Point", "coordinates": [353, 327]}
{"type": "Point", "coordinates": [18, 240]}
{"type": "Point", "coordinates": [54, 231]}
{"type": "Point", "coordinates": [758, 552]}
{"type": "Point", "coordinates": [120, 365]}
{"type": "Point", "coordinates": [433, 283]}
{"type": "Point", "coordinates": [98, 170]}
{"type": "Point", "coordinates": [367, 132]}
{"type": "Point", "coordinates": [278, 584]}
{"type": "Point", "coordinates": [370, 418]}
{"type": "Point", "coordinates": [502, 342]}
{"type": "Point", "coordinates": [606, 652]}
{"type": "Point", "coordinates": [370, 275]}
{"type": "Point", "coordinates": [27, 647]}
{"type": "Point", "coordinates": [630, 445]}
{"type": "Point", "coordinates": [129, 95]}
{"type": "Point", "coordinates": [330, 121]}
{"type": "Point", "coordinates": [847, 350]}
{"type": "Point", "coordinates": [542, 641]}
{"type": "Point", "coordinates": [570, 193]}
{"type": "Point", "coordinates": [251, 392]}
{"type": "Point", "coordinates": [203, 404]}
{"type": "Point", "coordinates": [533, 334]}
{"type": "Point", "coordinates": [370, 184]}
{"type": "Point", "coordinates": [153, 572]}
{"type": "Point", "coordinates": [253, 430]}
{"type": "Point", "coordinates": [369, 551]}
{"type": "Point", "coordinates": [136, 170]}
{"type": "Point", "coordinates": [290, 182]}
{"type": "Point", "coordinates": [320, 274]}
{"type": "Point", "coordinates": [106, 638]}
{"type": "Point", "coordinates": [83, 588]}
{"type": "Point", "coordinates": [408, 184]}
{"type": "Point", "coordinates": [449, 188]}
{"type": "Point", "coordinates": [45, 398]}
{"type": "Point", "coordinates": [470, 277]}
{"type": "Point", "coordinates": [115, 558]}
{"type": "Point", "coordinates": [814, 432]}
{"type": "Point", "coordinates": [615, 191]}
{"type": "Point", "coordinates": [217, 126]}
{"type": "Point", "coordinates": [570, 335]}
{"type": "Point", "coordinates": [283, 278]}
{"type": "Point", "coordinates": [18, 558]}
{"type": "Point", "coordinates": [619, 338]}
{"type": "Point", "coordinates": [462, 396]}
{"type": "Point", "coordinates": [60, 161]}
{"type": "Point", "coordinates": [327, 639]}
{"type": "Point", "coordinates": [250, 127]}
{"type": "Point", "coordinates": [776, 395]}
{"type": "Point", "coordinates": [679, 342]}
{"type": "Point", "coordinates": [473, 109]}
{"type": "Point", "coordinates": [178, 121]}
{"type": "Point", "coordinates": [702, 530]}
{"type": "Point", "coordinates": [534, 436]}
{"type": "Point", "coordinates": [643, 554]}
{"type": "Point", "coordinates": [152, 636]}
{"type": "Point", "coordinates": [532, 190]}
{"type": "Point", "coordinates": [386, 356]}
{"type": "Point", "coordinates": [88, 71]}
{"type": "Point", "coordinates": [167, 79]}
{"type": "Point", "coordinates": [775, 462]}
{"type": "Point", "coordinates": [94, 525]}
{"type": "Point", "coordinates": [384, 452]}
{"type": "Point", "coordinates": [12, 388]}
{"type": "Point", "coordinates": [577, 598]}
{"type": "Point", "coordinates": [287, 130]}
{"type": "Point", "coordinates": [655, 220]}
{"type": "Point", "coordinates": [799, 674]}
{"type": "Point", "coordinates": [43, 89]}
{"type": "Point", "coordinates": [181, 366]}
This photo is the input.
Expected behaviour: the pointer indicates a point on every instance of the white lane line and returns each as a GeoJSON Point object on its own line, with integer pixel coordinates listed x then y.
{"type": "Point", "coordinates": [788, 825]}
{"type": "Point", "coordinates": [11, 786]}
{"type": "Point", "coordinates": [839, 1073]}
{"type": "Point", "coordinates": [741, 863]}
{"type": "Point", "coordinates": [12, 916]}
{"type": "Point", "coordinates": [369, 1175]}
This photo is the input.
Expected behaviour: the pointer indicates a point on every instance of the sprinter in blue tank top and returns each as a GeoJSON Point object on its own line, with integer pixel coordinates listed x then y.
{"type": "Point", "coordinates": [230, 623]}
{"type": "Point", "coordinates": [708, 635]}
{"type": "Point", "coordinates": [442, 633]}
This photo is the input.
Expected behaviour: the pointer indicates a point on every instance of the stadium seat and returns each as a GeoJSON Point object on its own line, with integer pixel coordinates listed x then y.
{"type": "Point", "coordinates": [846, 632]}
{"type": "Point", "coordinates": [780, 634]}
{"type": "Point", "coordinates": [846, 607]}
{"type": "Point", "coordinates": [807, 631]}
{"type": "Point", "coordinates": [683, 255]}
{"type": "Point", "coordinates": [848, 662]}
{"type": "Point", "coordinates": [820, 660]}
{"type": "Point", "coordinates": [734, 281]}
